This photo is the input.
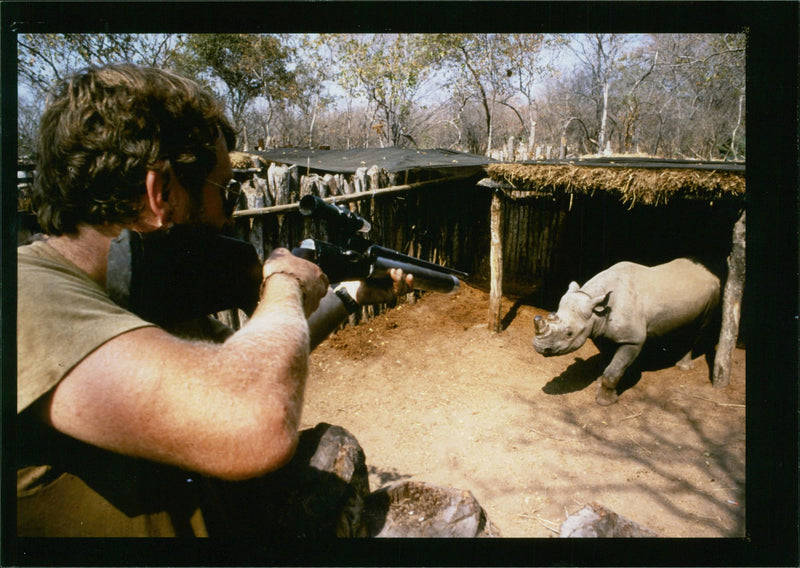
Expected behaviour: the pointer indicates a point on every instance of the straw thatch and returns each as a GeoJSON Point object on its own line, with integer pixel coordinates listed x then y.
{"type": "Point", "coordinates": [245, 161]}
{"type": "Point", "coordinates": [647, 186]}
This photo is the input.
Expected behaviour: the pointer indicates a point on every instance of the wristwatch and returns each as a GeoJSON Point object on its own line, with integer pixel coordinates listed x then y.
{"type": "Point", "coordinates": [348, 301]}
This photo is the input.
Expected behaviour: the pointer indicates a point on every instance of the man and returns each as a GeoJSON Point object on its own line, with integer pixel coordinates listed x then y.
{"type": "Point", "coordinates": [124, 428]}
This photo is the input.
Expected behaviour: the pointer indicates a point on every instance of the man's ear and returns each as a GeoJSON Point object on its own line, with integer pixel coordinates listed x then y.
{"type": "Point", "coordinates": [158, 195]}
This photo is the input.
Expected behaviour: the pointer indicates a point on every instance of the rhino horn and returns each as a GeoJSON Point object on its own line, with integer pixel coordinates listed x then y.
{"type": "Point", "coordinates": [540, 325]}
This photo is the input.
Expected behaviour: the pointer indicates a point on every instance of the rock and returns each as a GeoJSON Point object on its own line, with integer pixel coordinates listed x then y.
{"type": "Point", "coordinates": [596, 521]}
{"type": "Point", "coordinates": [339, 453]}
{"type": "Point", "coordinates": [414, 509]}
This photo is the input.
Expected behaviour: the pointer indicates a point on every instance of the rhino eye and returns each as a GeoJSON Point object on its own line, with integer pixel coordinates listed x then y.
{"type": "Point", "coordinates": [569, 333]}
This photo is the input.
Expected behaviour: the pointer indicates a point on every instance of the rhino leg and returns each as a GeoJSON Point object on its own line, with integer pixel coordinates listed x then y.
{"type": "Point", "coordinates": [605, 395]}
{"type": "Point", "coordinates": [623, 357]}
{"type": "Point", "coordinates": [686, 363]}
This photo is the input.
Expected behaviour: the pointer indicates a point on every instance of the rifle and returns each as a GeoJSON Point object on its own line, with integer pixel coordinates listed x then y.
{"type": "Point", "coordinates": [186, 272]}
{"type": "Point", "coordinates": [356, 258]}
{"type": "Point", "coordinates": [190, 271]}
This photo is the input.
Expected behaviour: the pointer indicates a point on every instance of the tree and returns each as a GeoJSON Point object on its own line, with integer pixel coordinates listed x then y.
{"type": "Point", "coordinates": [45, 58]}
{"type": "Point", "coordinates": [479, 69]}
{"type": "Point", "coordinates": [312, 74]}
{"type": "Point", "coordinates": [671, 95]}
{"type": "Point", "coordinates": [28, 115]}
{"type": "Point", "coordinates": [700, 88]}
{"type": "Point", "coordinates": [389, 71]}
{"type": "Point", "coordinates": [249, 65]}
{"type": "Point", "coordinates": [599, 57]}
{"type": "Point", "coordinates": [529, 68]}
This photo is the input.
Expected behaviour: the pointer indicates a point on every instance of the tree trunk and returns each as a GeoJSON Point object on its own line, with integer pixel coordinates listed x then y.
{"type": "Point", "coordinates": [496, 263]}
{"type": "Point", "coordinates": [731, 307]}
{"type": "Point", "coordinates": [601, 138]}
{"type": "Point", "coordinates": [736, 129]}
{"type": "Point", "coordinates": [245, 141]}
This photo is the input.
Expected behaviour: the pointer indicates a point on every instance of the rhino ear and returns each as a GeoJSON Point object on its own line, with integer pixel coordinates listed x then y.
{"type": "Point", "coordinates": [600, 304]}
{"type": "Point", "coordinates": [573, 287]}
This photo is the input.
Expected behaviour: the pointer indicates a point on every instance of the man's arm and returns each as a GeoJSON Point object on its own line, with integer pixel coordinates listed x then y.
{"type": "Point", "coordinates": [332, 311]}
{"type": "Point", "coordinates": [230, 410]}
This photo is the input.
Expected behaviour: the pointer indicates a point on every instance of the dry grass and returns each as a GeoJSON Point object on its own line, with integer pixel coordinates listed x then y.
{"type": "Point", "coordinates": [244, 161]}
{"type": "Point", "coordinates": [633, 185]}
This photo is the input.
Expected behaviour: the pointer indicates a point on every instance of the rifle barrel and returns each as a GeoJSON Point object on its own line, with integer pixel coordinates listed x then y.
{"type": "Point", "coordinates": [424, 278]}
{"type": "Point", "coordinates": [377, 250]}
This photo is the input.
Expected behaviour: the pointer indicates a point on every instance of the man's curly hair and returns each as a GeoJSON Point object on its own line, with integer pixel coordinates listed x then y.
{"type": "Point", "coordinates": [105, 127]}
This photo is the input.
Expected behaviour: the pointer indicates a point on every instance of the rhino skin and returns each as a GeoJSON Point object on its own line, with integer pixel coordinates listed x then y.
{"type": "Point", "coordinates": [625, 304]}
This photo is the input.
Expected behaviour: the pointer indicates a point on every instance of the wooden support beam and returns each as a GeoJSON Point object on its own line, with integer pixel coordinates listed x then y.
{"type": "Point", "coordinates": [339, 199]}
{"type": "Point", "coordinates": [731, 307]}
{"type": "Point", "coordinates": [496, 262]}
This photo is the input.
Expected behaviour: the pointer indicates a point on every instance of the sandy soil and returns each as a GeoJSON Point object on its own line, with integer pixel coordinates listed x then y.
{"type": "Point", "coordinates": [432, 395]}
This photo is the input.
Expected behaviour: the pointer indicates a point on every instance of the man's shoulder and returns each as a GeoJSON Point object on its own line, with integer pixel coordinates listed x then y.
{"type": "Point", "coordinates": [62, 316]}
{"type": "Point", "coordinates": [40, 269]}
{"type": "Point", "coordinates": [33, 248]}
{"type": "Point", "coordinates": [37, 253]}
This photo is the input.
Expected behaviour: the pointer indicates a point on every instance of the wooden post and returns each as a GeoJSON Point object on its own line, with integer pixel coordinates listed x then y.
{"type": "Point", "coordinates": [376, 177]}
{"type": "Point", "coordinates": [308, 185]}
{"type": "Point", "coordinates": [332, 182]}
{"type": "Point", "coordinates": [360, 179]}
{"type": "Point", "coordinates": [731, 307]}
{"type": "Point", "coordinates": [496, 263]}
{"type": "Point", "coordinates": [280, 183]}
{"type": "Point", "coordinates": [230, 318]}
{"type": "Point", "coordinates": [256, 195]}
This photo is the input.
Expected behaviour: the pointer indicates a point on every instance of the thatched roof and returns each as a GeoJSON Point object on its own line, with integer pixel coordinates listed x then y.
{"type": "Point", "coordinates": [646, 182]}
{"type": "Point", "coordinates": [246, 161]}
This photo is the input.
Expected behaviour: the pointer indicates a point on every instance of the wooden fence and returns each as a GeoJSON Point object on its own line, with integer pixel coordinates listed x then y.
{"type": "Point", "coordinates": [541, 241]}
{"type": "Point", "coordinates": [441, 220]}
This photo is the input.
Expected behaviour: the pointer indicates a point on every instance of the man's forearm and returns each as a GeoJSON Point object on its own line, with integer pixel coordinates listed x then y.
{"type": "Point", "coordinates": [328, 316]}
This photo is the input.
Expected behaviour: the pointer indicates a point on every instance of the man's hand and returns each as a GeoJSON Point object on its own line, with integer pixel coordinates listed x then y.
{"type": "Point", "coordinates": [367, 292]}
{"type": "Point", "coordinates": [313, 282]}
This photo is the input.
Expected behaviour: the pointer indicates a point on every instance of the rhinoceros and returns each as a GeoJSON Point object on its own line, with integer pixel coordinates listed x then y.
{"type": "Point", "coordinates": [622, 306]}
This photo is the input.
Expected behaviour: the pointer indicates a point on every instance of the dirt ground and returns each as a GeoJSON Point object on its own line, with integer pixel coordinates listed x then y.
{"type": "Point", "coordinates": [432, 395]}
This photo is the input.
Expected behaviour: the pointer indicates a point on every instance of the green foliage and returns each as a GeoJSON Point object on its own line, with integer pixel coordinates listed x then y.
{"type": "Point", "coordinates": [671, 95]}
{"type": "Point", "coordinates": [44, 58]}
{"type": "Point", "coordinates": [249, 65]}
{"type": "Point", "coordinates": [388, 70]}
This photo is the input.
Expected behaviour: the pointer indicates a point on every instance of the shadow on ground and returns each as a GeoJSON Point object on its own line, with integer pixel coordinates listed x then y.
{"type": "Point", "coordinates": [577, 376]}
{"type": "Point", "coordinates": [657, 354]}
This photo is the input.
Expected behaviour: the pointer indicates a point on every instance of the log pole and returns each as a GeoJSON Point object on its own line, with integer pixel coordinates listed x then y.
{"type": "Point", "coordinates": [358, 196]}
{"type": "Point", "coordinates": [731, 307]}
{"type": "Point", "coordinates": [495, 263]}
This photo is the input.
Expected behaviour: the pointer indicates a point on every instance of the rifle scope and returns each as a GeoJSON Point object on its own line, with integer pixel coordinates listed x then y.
{"type": "Point", "coordinates": [340, 217]}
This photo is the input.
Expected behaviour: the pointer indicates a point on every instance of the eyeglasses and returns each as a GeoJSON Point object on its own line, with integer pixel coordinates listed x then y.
{"type": "Point", "coordinates": [230, 195]}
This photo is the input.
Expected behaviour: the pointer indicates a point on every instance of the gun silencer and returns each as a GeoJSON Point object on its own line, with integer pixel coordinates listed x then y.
{"type": "Point", "coordinates": [375, 251]}
{"type": "Point", "coordinates": [424, 278]}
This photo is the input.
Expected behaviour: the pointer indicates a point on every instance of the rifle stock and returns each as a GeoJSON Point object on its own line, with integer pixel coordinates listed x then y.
{"type": "Point", "coordinates": [184, 273]}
